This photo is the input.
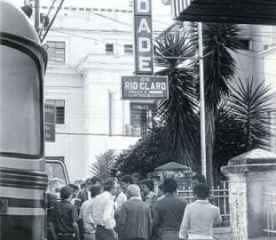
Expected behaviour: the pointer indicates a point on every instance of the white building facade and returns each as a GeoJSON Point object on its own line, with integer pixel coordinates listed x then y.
{"type": "Point", "coordinates": [89, 50]}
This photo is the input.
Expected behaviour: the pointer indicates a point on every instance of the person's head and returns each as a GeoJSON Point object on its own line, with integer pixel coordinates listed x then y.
{"type": "Point", "coordinates": [66, 193]}
{"type": "Point", "coordinates": [169, 185]}
{"type": "Point", "coordinates": [201, 191]}
{"type": "Point", "coordinates": [147, 186]}
{"type": "Point", "coordinates": [136, 177]}
{"type": "Point", "coordinates": [110, 186]}
{"type": "Point", "coordinates": [133, 190]}
{"type": "Point", "coordinates": [125, 181]}
{"type": "Point", "coordinates": [160, 190]}
{"type": "Point", "coordinates": [95, 180]}
{"type": "Point", "coordinates": [82, 186]}
{"type": "Point", "coordinates": [95, 190]}
{"type": "Point", "coordinates": [75, 188]}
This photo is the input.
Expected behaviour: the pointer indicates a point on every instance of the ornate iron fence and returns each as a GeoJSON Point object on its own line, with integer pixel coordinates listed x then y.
{"type": "Point", "coordinates": [219, 197]}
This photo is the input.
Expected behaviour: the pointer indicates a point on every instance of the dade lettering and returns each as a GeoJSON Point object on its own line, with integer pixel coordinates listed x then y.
{"type": "Point", "coordinates": [143, 37]}
{"type": "Point", "coordinates": [143, 7]}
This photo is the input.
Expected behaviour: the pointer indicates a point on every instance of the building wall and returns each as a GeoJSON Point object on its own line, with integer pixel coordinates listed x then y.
{"type": "Point", "coordinates": [96, 118]}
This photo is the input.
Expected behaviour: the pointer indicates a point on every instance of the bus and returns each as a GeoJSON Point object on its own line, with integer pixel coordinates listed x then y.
{"type": "Point", "coordinates": [23, 177]}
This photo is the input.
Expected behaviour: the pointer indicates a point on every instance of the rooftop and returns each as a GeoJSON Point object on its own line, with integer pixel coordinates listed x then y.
{"type": "Point", "coordinates": [172, 166]}
{"type": "Point", "coordinates": [227, 11]}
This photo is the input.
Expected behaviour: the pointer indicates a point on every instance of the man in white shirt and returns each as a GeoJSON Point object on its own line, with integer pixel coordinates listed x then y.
{"type": "Point", "coordinates": [103, 212]}
{"type": "Point", "coordinates": [199, 216]}
{"type": "Point", "coordinates": [88, 224]}
{"type": "Point", "coordinates": [125, 181]}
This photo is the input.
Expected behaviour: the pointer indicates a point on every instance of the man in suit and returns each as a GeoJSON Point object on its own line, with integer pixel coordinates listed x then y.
{"type": "Point", "coordinates": [134, 217]}
{"type": "Point", "coordinates": [168, 212]}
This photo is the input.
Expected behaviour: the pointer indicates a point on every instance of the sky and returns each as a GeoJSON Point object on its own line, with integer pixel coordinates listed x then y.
{"type": "Point", "coordinates": [161, 14]}
{"type": "Point", "coordinates": [158, 7]}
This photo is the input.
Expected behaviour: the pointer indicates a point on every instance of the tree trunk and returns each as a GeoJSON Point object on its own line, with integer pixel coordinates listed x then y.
{"type": "Point", "coordinates": [210, 143]}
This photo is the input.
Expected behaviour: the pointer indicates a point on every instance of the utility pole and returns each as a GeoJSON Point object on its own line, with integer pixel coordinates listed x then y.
{"type": "Point", "coordinates": [37, 15]}
{"type": "Point", "coordinates": [42, 38]}
{"type": "Point", "coordinates": [202, 103]}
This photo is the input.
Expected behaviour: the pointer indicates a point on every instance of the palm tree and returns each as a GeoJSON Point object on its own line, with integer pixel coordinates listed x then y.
{"type": "Point", "coordinates": [250, 103]}
{"type": "Point", "coordinates": [219, 41]}
{"type": "Point", "coordinates": [243, 121]}
{"type": "Point", "coordinates": [103, 165]}
{"type": "Point", "coordinates": [174, 53]}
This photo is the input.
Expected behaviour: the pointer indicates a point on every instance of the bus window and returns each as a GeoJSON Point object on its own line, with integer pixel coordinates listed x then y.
{"type": "Point", "coordinates": [56, 170]}
{"type": "Point", "coordinates": [22, 134]}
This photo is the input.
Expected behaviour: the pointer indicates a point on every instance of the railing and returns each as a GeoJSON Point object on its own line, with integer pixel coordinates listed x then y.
{"type": "Point", "coordinates": [270, 215]}
{"type": "Point", "coordinates": [219, 197]}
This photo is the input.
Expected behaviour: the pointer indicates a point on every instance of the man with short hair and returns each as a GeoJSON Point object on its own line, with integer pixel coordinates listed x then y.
{"type": "Point", "coordinates": [65, 216]}
{"type": "Point", "coordinates": [103, 211]}
{"type": "Point", "coordinates": [134, 217]}
{"type": "Point", "coordinates": [88, 224]}
{"type": "Point", "coordinates": [168, 212]}
{"type": "Point", "coordinates": [125, 181]}
{"type": "Point", "coordinates": [75, 200]}
{"type": "Point", "coordinates": [147, 186]}
{"type": "Point", "coordinates": [200, 216]}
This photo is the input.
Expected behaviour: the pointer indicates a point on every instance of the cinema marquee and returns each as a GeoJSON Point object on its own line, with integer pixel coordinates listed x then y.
{"type": "Point", "coordinates": [143, 37]}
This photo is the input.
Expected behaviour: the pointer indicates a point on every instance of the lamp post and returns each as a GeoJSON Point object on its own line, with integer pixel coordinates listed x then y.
{"type": "Point", "coordinates": [202, 103]}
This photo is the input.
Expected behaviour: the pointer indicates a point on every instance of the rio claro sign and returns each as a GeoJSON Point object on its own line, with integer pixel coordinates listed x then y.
{"type": "Point", "coordinates": [144, 87]}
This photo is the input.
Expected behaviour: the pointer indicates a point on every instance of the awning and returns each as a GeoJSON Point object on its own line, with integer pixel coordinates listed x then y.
{"type": "Point", "coordinates": [226, 11]}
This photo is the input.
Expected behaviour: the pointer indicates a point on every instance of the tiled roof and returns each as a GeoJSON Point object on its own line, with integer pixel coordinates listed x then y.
{"type": "Point", "coordinates": [172, 166]}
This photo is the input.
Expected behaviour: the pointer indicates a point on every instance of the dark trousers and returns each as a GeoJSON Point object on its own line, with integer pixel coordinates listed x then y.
{"type": "Point", "coordinates": [135, 239]}
{"type": "Point", "coordinates": [66, 237]}
{"type": "Point", "coordinates": [104, 234]}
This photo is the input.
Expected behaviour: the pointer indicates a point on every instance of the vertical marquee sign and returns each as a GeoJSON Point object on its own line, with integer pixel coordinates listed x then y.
{"type": "Point", "coordinates": [143, 37]}
{"type": "Point", "coordinates": [144, 84]}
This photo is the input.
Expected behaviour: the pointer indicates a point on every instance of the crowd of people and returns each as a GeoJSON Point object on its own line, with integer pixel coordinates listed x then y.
{"type": "Point", "coordinates": [125, 209]}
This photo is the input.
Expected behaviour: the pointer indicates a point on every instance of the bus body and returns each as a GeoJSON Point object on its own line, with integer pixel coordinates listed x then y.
{"type": "Point", "coordinates": [23, 179]}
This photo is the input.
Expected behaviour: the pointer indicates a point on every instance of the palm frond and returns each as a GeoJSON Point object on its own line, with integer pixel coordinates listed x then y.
{"type": "Point", "coordinates": [103, 165]}
{"type": "Point", "coordinates": [250, 103]}
{"type": "Point", "coordinates": [171, 49]}
{"type": "Point", "coordinates": [175, 52]}
{"type": "Point", "coordinates": [219, 41]}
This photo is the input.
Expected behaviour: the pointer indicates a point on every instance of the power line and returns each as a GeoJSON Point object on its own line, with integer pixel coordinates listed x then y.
{"type": "Point", "coordinates": [93, 134]}
{"type": "Point", "coordinates": [112, 19]}
{"type": "Point", "coordinates": [52, 21]}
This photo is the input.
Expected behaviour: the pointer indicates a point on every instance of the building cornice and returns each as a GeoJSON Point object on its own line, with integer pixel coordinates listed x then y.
{"type": "Point", "coordinates": [88, 10]}
{"type": "Point", "coordinates": [105, 62]}
{"type": "Point", "coordinates": [61, 69]}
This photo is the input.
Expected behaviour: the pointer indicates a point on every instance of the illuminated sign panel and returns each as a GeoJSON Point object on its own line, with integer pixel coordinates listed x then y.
{"type": "Point", "coordinates": [145, 87]}
{"type": "Point", "coordinates": [143, 37]}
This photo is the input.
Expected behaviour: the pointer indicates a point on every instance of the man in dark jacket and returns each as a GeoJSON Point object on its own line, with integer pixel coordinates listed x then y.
{"type": "Point", "coordinates": [134, 217]}
{"type": "Point", "coordinates": [168, 213]}
{"type": "Point", "coordinates": [65, 216]}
